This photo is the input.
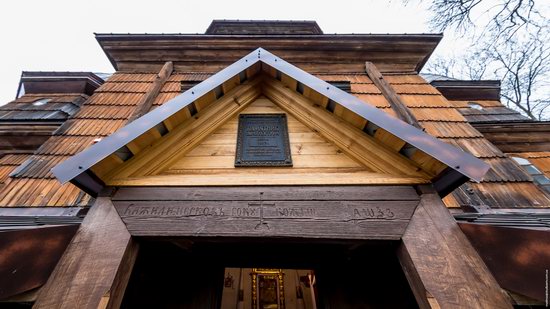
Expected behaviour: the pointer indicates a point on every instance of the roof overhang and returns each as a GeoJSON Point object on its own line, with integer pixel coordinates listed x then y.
{"type": "Point", "coordinates": [311, 52]}
{"type": "Point", "coordinates": [514, 255]}
{"type": "Point", "coordinates": [468, 89]}
{"type": "Point", "coordinates": [59, 82]}
{"type": "Point", "coordinates": [29, 256]}
{"type": "Point", "coordinates": [460, 165]}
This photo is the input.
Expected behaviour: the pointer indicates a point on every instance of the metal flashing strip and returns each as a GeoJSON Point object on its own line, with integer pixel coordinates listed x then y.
{"type": "Point", "coordinates": [463, 163]}
{"type": "Point", "coordinates": [74, 166]}
{"type": "Point", "coordinates": [24, 222]}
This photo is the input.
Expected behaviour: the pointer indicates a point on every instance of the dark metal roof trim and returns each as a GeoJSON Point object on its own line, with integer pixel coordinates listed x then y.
{"type": "Point", "coordinates": [447, 181]}
{"type": "Point", "coordinates": [436, 37]}
{"type": "Point", "coordinates": [29, 256]}
{"type": "Point", "coordinates": [88, 182]}
{"type": "Point", "coordinates": [518, 220]}
{"type": "Point", "coordinates": [76, 165]}
{"type": "Point", "coordinates": [24, 222]}
{"type": "Point", "coordinates": [462, 162]}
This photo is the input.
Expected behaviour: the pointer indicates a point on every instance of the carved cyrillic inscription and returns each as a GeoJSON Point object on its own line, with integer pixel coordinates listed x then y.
{"type": "Point", "coordinates": [261, 210]}
{"type": "Point", "coordinates": [373, 213]}
{"type": "Point", "coordinates": [249, 213]}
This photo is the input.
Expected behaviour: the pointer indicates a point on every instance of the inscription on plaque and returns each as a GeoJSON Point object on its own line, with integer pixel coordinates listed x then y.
{"type": "Point", "coordinates": [262, 140]}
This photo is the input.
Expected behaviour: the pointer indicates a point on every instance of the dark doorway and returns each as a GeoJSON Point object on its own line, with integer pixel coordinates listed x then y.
{"type": "Point", "coordinates": [191, 273]}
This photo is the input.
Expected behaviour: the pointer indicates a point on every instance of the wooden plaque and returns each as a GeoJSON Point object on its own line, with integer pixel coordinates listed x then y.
{"type": "Point", "coordinates": [262, 140]}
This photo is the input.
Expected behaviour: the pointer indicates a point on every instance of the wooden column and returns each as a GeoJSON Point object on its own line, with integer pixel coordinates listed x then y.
{"type": "Point", "coordinates": [95, 268]}
{"type": "Point", "coordinates": [389, 93]}
{"type": "Point", "coordinates": [442, 267]}
{"type": "Point", "coordinates": [146, 102]}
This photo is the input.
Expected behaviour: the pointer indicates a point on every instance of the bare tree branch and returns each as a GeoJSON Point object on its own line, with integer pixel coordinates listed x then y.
{"type": "Point", "coordinates": [501, 17]}
{"type": "Point", "coordinates": [514, 47]}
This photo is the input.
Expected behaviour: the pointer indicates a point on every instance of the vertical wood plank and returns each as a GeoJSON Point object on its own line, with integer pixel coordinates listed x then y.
{"type": "Point", "coordinates": [94, 270]}
{"type": "Point", "coordinates": [442, 267]}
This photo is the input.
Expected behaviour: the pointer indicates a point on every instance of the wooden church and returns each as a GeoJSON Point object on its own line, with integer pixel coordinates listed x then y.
{"type": "Point", "coordinates": [267, 165]}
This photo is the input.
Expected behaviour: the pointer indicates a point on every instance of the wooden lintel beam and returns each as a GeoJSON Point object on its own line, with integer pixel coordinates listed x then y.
{"type": "Point", "coordinates": [95, 268]}
{"type": "Point", "coordinates": [389, 93]}
{"type": "Point", "coordinates": [146, 102]}
{"type": "Point", "coordinates": [442, 267]}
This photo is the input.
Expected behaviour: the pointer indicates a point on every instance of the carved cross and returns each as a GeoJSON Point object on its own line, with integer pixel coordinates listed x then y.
{"type": "Point", "coordinates": [261, 204]}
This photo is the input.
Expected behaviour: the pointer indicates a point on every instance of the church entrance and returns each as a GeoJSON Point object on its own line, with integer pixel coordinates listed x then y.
{"type": "Point", "coordinates": [267, 274]}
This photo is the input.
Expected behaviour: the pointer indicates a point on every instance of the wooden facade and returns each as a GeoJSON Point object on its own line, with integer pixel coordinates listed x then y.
{"type": "Point", "coordinates": [360, 217]}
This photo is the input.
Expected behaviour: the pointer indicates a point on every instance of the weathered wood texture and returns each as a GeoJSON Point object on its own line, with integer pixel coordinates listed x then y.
{"type": "Point", "coordinates": [442, 267]}
{"type": "Point", "coordinates": [95, 268]}
{"type": "Point", "coordinates": [350, 212]}
{"type": "Point", "coordinates": [313, 53]}
{"type": "Point", "coordinates": [517, 137]}
{"type": "Point", "coordinates": [390, 94]}
{"type": "Point", "coordinates": [147, 100]}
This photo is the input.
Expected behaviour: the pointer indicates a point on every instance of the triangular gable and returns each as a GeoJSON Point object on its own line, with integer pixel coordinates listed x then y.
{"type": "Point", "coordinates": [459, 165]}
{"type": "Point", "coordinates": [204, 154]}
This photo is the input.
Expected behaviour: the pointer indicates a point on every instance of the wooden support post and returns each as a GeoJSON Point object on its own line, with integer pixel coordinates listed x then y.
{"type": "Point", "coordinates": [442, 267]}
{"type": "Point", "coordinates": [389, 93]}
{"type": "Point", "coordinates": [146, 102]}
{"type": "Point", "coordinates": [96, 266]}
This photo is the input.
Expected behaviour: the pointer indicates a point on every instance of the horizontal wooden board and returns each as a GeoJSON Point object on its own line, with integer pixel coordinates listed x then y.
{"type": "Point", "coordinates": [502, 195]}
{"type": "Point", "coordinates": [298, 161]}
{"type": "Point", "coordinates": [229, 177]}
{"type": "Point", "coordinates": [296, 219]}
{"type": "Point", "coordinates": [296, 149]}
{"type": "Point", "coordinates": [318, 212]}
{"type": "Point", "coordinates": [231, 138]}
{"type": "Point", "coordinates": [282, 193]}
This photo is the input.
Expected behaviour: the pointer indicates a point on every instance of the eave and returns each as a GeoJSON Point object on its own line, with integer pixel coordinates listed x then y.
{"type": "Point", "coordinates": [517, 136]}
{"type": "Point", "coordinates": [468, 89]}
{"type": "Point", "coordinates": [313, 53]}
{"type": "Point", "coordinates": [460, 165]}
{"type": "Point", "coordinates": [59, 82]}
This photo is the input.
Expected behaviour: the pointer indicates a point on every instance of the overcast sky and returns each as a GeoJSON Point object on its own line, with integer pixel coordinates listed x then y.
{"type": "Point", "coordinates": [59, 35]}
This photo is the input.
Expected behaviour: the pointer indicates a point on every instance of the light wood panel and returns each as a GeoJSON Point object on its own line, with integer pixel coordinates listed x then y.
{"type": "Point", "coordinates": [264, 177]}
{"type": "Point", "coordinates": [299, 161]}
{"type": "Point", "coordinates": [308, 148]}
{"type": "Point", "coordinates": [188, 134]}
{"type": "Point", "coordinates": [358, 145]}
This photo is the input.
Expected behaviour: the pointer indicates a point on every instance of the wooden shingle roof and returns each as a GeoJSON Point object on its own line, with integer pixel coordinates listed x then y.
{"type": "Point", "coordinates": [123, 90]}
{"type": "Point", "coordinates": [59, 107]}
{"type": "Point", "coordinates": [460, 165]}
